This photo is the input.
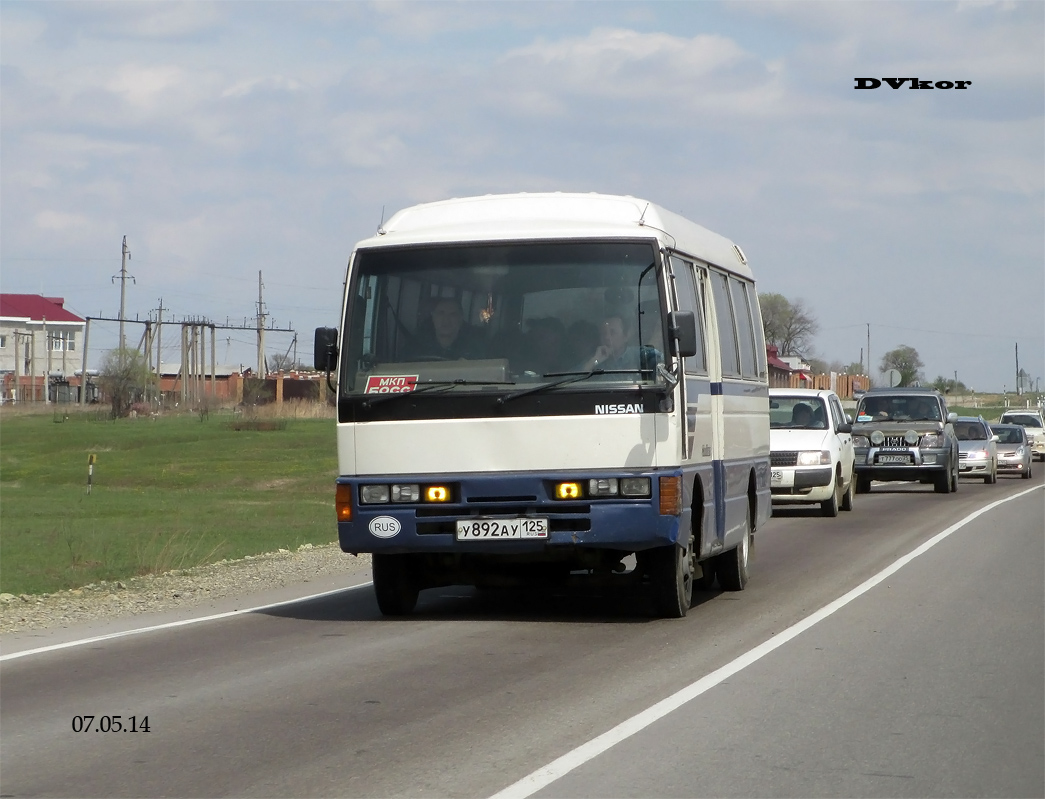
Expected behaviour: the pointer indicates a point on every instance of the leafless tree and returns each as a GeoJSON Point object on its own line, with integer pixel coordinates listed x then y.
{"type": "Point", "coordinates": [787, 324]}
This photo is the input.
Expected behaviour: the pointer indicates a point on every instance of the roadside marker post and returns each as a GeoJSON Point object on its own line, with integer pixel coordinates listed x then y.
{"type": "Point", "coordinates": [90, 470]}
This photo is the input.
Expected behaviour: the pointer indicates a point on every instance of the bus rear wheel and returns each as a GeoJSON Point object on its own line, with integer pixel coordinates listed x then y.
{"type": "Point", "coordinates": [732, 566]}
{"type": "Point", "coordinates": [395, 583]}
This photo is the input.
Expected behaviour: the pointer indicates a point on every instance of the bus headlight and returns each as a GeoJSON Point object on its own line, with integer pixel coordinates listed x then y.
{"type": "Point", "coordinates": [602, 487]}
{"type": "Point", "coordinates": [635, 487]}
{"type": "Point", "coordinates": [406, 493]}
{"type": "Point", "coordinates": [373, 495]}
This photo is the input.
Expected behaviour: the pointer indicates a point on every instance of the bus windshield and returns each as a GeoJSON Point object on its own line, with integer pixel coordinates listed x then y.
{"type": "Point", "coordinates": [503, 317]}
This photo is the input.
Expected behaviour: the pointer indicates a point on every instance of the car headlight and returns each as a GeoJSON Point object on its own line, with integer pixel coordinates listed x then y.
{"type": "Point", "coordinates": [933, 441]}
{"type": "Point", "coordinates": [910, 437]}
{"type": "Point", "coordinates": [814, 458]}
{"type": "Point", "coordinates": [1020, 452]}
{"type": "Point", "coordinates": [976, 454]}
{"type": "Point", "coordinates": [878, 438]}
{"type": "Point", "coordinates": [861, 441]}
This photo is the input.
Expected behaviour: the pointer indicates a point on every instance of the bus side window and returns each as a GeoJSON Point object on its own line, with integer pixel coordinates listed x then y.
{"type": "Point", "coordinates": [727, 336]}
{"type": "Point", "coordinates": [689, 300]}
{"type": "Point", "coordinates": [745, 328]}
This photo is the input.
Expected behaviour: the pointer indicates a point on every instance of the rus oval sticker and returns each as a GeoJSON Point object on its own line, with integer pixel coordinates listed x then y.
{"type": "Point", "coordinates": [385, 526]}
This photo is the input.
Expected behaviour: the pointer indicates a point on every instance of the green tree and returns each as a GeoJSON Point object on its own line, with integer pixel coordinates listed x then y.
{"type": "Point", "coordinates": [906, 361]}
{"type": "Point", "coordinates": [947, 385]}
{"type": "Point", "coordinates": [787, 324]}
{"type": "Point", "coordinates": [123, 378]}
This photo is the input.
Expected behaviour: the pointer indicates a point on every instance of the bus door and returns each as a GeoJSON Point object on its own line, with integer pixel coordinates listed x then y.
{"type": "Point", "coordinates": [695, 408]}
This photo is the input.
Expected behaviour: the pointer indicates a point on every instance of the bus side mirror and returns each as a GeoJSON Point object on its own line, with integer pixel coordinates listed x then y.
{"type": "Point", "coordinates": [683, 329]}
{"type": "Point", "coordinates": [325, 352]}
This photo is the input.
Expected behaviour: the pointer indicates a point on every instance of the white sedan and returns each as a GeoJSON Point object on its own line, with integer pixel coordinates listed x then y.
{"type": "Point", "coordinates": [811, 449]}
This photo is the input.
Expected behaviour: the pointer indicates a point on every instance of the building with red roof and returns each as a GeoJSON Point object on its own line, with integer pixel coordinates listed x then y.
{"type": "Point", "coordinates": [40, 344]}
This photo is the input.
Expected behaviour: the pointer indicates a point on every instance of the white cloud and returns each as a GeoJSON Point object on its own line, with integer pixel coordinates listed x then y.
{"type": "Point", "coordinates": [145, 86]}
{"type": "Point", "coordinates": [274, 83]}
{"type": "Point", "coordinates": [59, 221]}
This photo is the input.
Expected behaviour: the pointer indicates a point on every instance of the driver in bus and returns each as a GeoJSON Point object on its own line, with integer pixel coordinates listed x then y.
{"type": "Point", "coordinates": [447, 337]}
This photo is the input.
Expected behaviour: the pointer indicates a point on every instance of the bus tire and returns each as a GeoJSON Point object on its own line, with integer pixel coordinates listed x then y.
{"type": "Point", "coordinates": [732, 567]}
{"type": "Point", "coordinates": [671, 580]}
{"type": "Point", "coordinates": [395, 584]}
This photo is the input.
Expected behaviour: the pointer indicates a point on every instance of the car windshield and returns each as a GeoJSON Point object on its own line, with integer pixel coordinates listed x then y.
{"type": "Point", "coordinates": [479, 317]}
{"type": "Point", "coordinates": [1023, 420]}
{"type": "Point", "coordinates": [1008, 435]}
{"type": "Point", "coordinates": [970, 431]}
{"type": "Point", "coordinates": [898, 409]}
{"type": "Point", "coordinates": [797, 413]}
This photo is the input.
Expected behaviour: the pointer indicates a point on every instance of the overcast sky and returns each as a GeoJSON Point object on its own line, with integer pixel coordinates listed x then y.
{"type": "Point", "coordinates": [224, 139]}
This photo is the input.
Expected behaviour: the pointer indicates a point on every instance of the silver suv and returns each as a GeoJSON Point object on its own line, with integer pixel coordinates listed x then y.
{"type": "Point", "coordinates": [905, 434]}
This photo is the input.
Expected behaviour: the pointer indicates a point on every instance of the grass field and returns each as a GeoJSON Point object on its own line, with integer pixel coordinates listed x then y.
{"type": "Point", "coordinates": [168, 493]}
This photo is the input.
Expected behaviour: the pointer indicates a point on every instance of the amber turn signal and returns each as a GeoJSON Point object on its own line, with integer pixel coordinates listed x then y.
{"type": "Point", "coordinates": [437, 494]}
{"type": "Point", "coordinates": [670, 496]}
{"type": "Point", "coordinates": [567, 491]}
{"type": "Point", "coordinates": [343, 502]}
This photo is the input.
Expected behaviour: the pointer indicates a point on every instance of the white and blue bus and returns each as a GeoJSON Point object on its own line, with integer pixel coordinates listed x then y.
{"type": "Point", "coordinates": [534, 388]}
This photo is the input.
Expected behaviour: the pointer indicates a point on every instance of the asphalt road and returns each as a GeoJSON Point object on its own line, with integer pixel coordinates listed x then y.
{"type": "Point", "coordinates": [929, 682]}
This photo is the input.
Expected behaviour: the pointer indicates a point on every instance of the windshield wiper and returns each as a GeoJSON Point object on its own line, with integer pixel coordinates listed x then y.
{"type": "Point", "coordinates": [567, 377]}
{"type": "Point", "coordinates": [446, 385]}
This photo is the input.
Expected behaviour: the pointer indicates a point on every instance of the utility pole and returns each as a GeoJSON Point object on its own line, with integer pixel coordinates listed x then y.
{"type": "Point", "coordinates": [159, 348]}
{"type": "Point", "coordinates": [47, 371]}
{"type": "Point", "coordinates": [1018, 392]}
{"type": "Point", "coordinates": [868, 349]}
{"type": "Point", "coordinates": [261, 329]}
{"type": "Point", "coordinates": [83, 366]}
{"type": "Point", "coordinates": [123, 289]}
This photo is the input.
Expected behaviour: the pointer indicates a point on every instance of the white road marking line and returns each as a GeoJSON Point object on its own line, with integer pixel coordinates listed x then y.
{"type": "Point", "coordinates": [172, 624]}
{"type": "Point", "coordinates": [562, 766]}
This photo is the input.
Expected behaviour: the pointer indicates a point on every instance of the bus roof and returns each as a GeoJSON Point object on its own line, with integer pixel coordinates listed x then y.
{"type": "Point", "coordinates": [554, 215]}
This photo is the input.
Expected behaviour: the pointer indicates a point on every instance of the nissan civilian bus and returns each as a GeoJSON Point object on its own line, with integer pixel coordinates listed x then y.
{"type": "Point", "coordinates": [534, 389]}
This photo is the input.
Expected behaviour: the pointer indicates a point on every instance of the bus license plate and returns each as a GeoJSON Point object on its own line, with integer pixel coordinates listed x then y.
{"type": "Point", "coordinates": [475, 529]}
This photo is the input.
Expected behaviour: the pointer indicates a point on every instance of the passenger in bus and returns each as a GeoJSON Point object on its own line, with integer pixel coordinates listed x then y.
{"type": "Point", "coordinates": [446, 336]}
{"type": "Point", "coordinates": [582, 337]}
{"type": "Point", "coordinates": [617, 349]}
{"type": "Point", "coordinates": [544, 347]}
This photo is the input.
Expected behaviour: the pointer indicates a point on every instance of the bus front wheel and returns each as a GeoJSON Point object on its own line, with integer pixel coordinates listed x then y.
{"type": "Point", "coordinates": [395, 583]}
{"type": "Point", "coordinates": [670, 572]}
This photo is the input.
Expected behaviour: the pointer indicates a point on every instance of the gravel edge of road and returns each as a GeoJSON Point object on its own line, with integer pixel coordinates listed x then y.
{"type": "Point", "coordinates": [184, 588]}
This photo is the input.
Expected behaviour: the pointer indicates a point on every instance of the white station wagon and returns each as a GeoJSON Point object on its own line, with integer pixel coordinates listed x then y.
{"type": "Point", "coordinates": [811, 449]}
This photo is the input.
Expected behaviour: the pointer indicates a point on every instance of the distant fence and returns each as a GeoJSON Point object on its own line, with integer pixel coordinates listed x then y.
{"type": "Point", "coordinates": [845, 386]}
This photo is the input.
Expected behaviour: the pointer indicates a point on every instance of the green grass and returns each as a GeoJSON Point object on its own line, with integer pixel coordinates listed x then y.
{"type": "Point", "coordinates": [990, 413]}
{"type": "Point", "coordinates": [168, 493]}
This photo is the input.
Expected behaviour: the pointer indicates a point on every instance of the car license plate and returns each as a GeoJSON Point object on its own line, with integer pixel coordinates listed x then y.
{"type": "Point", "coordinates": [894, 458]}
{"type": "Point", "coordinates": [781, 479]}
{"type": "Point", "coordinates": [475, 529]}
